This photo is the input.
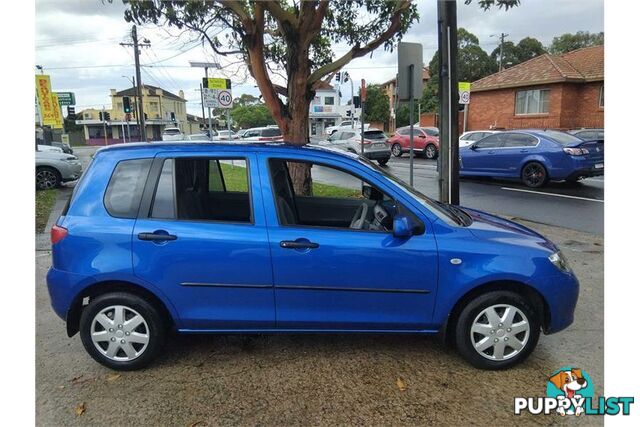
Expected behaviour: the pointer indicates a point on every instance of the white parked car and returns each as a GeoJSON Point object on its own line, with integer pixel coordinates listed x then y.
{"type": "Point", "coordinates": [468, 138]}
{"type": "Point", "coordinates": [172, 134]}
{"type": "Point", "coordinates": [198, 137]}
{"type": "Point", "coordinates": [263, 134]}
{"type": "Point", "coordinates": [53, 168]}
{"type": "Point", "coordinates": [224, 134]}
{"type": "Point", "coordinates": [50, 148]}
{"type": "Point", "coordinates": [344, 126]}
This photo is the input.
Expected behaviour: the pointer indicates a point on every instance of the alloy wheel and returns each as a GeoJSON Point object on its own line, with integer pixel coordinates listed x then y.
{"type": "Point", "coordinates": [534, 175]}
{"type": "Point", "coordinates": [120, 333]}
{"type": "Point", "coordinates": [46, 179]}
{"type": "Point", "coordinates": [430, 151]}
{"type": "Point", "coordinates": [500, 332]}
{"type": "Point", "coordinates": [396, 150]}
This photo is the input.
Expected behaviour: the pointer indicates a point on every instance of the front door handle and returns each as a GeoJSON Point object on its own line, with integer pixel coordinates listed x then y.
{"type": "Point", "coordinates": [157, 236]}
{"type": "Point", "coordinates": [489, 152]}
{"type": "Point", "coordinates": [293, 244]}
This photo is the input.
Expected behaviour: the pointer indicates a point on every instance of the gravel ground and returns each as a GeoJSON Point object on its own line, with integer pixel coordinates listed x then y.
{"type": "Point", "coordinates": [315, 379]}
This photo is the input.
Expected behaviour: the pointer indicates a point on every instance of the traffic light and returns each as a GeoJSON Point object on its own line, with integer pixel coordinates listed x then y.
{"type": "Point", "coordinates": [173, 116]}
{"type": "Point", "coordinates": [338, 77]}
{"type": "Point", "coordinates": [348, 113]}
{"type": "Point", "coordinates": [71, 113]}
{"type": "Point", "coordinates": [356, 101]}
{"type": "Point", "coordinates": [100, 117]}
{"type": "Point", "coordinates": [107, 116]}
{"type": "Point", "coordinates": [126, 104]}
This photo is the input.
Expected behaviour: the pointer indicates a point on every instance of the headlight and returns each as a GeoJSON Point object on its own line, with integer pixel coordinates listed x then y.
{"type": "Point", "coordinates": [560, 262]}
{"type": "Point", "coordinates": [71, 159]}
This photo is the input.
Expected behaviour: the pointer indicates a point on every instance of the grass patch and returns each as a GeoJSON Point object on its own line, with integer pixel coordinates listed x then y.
{"type": "Point", "coordinates": [45, 199]}
{"type": "Point", "coordinates": [235, 179]}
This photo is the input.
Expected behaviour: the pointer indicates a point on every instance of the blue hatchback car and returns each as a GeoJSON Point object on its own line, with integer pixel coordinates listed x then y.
{"type": "Point", "coordinates": [533, 156]}
{"type": "Point", "coordinates": [220, 238]}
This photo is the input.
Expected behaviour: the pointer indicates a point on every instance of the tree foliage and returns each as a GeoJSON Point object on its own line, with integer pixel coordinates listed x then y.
{"type": "Point", "coordinates": [376, 109]}
{"type": "Point", "coordinates": [568, 42]}
{"type": "Point", "coordinates": [529, 48]}
{"type": "Point", "coordinates": [251, 115]}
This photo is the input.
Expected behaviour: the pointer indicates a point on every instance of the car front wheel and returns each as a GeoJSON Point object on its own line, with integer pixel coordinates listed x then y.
{"type": "Point", "coordinates": [396, 150]}
{"type": "Point", "coordinates": [121, 331]}
{"type": "Point", "coordinates": [47, 178]}
{"type": "Point", "coordinates": [497, 330]}
{"type": "Point", "coordinates": [430, 151]}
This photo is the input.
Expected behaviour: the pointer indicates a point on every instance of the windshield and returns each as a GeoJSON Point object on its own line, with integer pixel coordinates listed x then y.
{"type": "Point", "coordinates": [375, 134]}
{"type": "Point", "coordinates": [439, 209]}
{"type": "Point", "coordinates": [172, 131]}
{"type": "Point", "coordinates": [561, 137]}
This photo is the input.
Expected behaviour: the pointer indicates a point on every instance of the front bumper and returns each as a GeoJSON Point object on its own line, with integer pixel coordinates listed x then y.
{"type": "Point", "coordinates": [71, 171]}
{"type": "Point", "coordinates": [560, 292]}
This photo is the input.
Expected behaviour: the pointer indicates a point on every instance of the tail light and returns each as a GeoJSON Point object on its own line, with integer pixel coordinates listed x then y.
{"type": "Point", "coordinates": [576, 151]}
{"type": "Point", "coordinates": [366, 141]}
{"type": "Point", "coordinates": [58, 233]}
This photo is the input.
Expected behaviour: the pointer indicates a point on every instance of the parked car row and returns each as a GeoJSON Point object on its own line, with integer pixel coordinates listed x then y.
{"type": "Point", "coordinates": [55, 167]}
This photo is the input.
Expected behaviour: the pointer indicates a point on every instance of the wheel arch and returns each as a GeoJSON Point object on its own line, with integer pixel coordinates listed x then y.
{"type": "Point", "coordinates": [531, 294]}
{"type": "Point", "coordinates": [537, 159]}
{"type": "Point", "coordinates": [108, 286]}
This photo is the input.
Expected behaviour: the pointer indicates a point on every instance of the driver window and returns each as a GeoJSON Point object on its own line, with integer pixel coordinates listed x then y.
{"type": "Point", "coordinates": [336, 199]}
{"type": "Point", "coordinates": [492, 141]}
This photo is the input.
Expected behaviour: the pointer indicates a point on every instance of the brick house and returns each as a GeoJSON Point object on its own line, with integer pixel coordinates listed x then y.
{"type": "Point", "coordinates": [549, 91]}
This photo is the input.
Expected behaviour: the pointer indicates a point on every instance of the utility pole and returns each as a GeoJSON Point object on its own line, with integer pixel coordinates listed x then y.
{"type": "Point", "coordinates": [448, 170]}
{"type": "Point", "coordinates": [136, 55]}
{"type": "Point", "coordinates": [501, 58]}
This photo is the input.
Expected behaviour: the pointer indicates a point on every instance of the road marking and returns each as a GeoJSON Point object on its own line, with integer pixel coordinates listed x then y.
{"type": "Point", "coordinates": [553, 194]}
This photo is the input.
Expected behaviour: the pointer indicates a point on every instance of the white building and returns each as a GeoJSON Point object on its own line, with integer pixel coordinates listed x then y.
{"type": "Point", "coordinates": [325, 110]}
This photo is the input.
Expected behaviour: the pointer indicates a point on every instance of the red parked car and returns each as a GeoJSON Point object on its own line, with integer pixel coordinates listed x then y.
{"type": "Point", "coordinates": [425, 141]}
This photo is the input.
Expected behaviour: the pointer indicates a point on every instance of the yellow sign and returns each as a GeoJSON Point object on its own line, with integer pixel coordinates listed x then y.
{"type": "Point", "coordinates": [464, 86]}
{"type": "Point", "coordinates": [216, 83]}
{"type": "Point", "coordinates": [57, 112]}
{"type": "Point", "coordinates": [45, 101]}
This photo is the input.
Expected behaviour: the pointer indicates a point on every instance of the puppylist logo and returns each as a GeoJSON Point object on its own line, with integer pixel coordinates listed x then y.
{"type": "Point", "coordinates": [570, 392]}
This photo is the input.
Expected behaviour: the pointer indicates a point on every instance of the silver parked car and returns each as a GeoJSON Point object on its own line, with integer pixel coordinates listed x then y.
{"type": "Point", "coordinates": [54, 168]}
{"type": "Point", "coordinates": [375, 143]}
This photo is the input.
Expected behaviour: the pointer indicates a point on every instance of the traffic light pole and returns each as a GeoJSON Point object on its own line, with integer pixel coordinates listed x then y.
{"type": "Point", "coordinates": [448, 172]}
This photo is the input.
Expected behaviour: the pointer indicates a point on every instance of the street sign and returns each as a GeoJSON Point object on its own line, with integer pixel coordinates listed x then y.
{"type": "Point", "coordinates": [216, 83]}
{"type": "Point", "coordinates": [224, 99]}
{"type": "Point", "coordinates": [464, 92]}
{"type": "Point", "coordinates": [66, 98]}
{"type": "Point", "coordinates": [409, 70]}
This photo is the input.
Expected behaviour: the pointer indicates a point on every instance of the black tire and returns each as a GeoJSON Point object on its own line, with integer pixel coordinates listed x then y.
{"type": "Point", "coordinates": [466, 319]}
{"type": "Point", "coordinates": [383, 162]}
{"type": "Point", "coordinates": [534, 175]}
{"type": "Point", "coordinates": [430, 152]}
{"type": "Point", "coordinates": [396, 150]}
{"type": "Point", "coordinates": [154, 321]}
{"type": "Point", "coordinates": [47, 178]}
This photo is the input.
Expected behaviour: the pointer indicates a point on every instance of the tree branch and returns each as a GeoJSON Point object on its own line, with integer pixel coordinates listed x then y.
{"type": "Point", "coordinates": [279, 13]}
{"type": "Point", "coordinates": [357, 51]}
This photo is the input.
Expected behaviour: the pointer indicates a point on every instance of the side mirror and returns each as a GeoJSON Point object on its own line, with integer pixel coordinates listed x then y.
{"type": "Point", "coordinates": [473, 146]}
{"type": "Point", "coordinates": [422, 136]}
{"type": "Point", "coordinates": [402, 227]}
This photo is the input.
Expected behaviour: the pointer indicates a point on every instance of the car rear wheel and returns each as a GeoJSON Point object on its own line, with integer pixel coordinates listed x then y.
{"type": "Point", "coordinates": [47, 178]}
{"type": "Point", "coordinates": [383, 162]}
{"type": "Point", "coordinates": [430, 151]}
{"type": "Point", "coordinates": [497, 330]}
{"type": "Point", "coordinates": [121, 331]}
{"type": "Point", "coordinates": [534, 175]}
{"type": "Point", "coordinates": [396, 150]}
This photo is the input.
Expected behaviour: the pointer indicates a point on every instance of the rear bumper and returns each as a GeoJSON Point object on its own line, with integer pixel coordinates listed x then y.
{"type": "Point", "coordinates": [585, 173]}
{"type": "Point", "coordinates": [377, 155]}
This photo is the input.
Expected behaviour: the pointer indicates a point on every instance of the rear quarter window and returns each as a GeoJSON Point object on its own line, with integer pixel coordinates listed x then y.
{"type": "Point", "coordinates": [124, 191]}
{"type": "Point", "coordinates": [271, 132]}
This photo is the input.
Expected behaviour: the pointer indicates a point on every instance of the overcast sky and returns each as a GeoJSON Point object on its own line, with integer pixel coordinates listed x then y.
{"type": "Point", "coordinates": [77, 43]}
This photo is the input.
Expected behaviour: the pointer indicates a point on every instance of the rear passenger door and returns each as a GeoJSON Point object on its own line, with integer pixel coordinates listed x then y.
{"type": "Point", "coordinates": [200, 225]}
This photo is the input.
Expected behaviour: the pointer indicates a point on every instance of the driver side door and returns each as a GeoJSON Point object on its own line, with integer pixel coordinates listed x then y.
{"type": "Point", "coordinates": [329, 276]}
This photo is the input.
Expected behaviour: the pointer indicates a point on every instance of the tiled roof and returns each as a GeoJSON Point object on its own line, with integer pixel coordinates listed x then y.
{"type": "Point", "coordinates": [580, 65]}
{"type": "Point", "coordinates": [165, 93]}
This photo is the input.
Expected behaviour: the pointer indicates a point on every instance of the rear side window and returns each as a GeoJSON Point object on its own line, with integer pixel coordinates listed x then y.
{"type": "Point", "coordinates": [124, 192]}
{"type": "Point", "coordinates": [514, 140]}
{"type": "Point", "coordinates": [205, 189]}
{"type": "Point", "coordinates": [271, 132]}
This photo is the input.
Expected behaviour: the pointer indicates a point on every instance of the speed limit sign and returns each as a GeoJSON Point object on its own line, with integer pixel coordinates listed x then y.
{"type": "Point", "coordinates": [224, 99]}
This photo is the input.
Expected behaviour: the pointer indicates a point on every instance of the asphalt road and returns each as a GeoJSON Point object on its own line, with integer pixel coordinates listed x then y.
{"type": "Point", "coordinates": [577, 206]}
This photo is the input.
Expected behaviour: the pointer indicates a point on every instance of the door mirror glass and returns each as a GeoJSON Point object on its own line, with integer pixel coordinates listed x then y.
{"type": "Point", "coordinates": [402, 227]}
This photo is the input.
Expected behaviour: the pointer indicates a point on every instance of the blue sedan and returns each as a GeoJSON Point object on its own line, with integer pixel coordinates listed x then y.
{"type": "Point", "coordinates": [534, 156]}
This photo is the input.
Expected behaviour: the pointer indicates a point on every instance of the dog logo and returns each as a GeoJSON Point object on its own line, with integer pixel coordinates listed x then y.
{"type": "Point", "coordinates": [570, 382]}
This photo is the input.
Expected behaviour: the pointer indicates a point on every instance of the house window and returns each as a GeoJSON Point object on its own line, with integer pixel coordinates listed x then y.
{"type": "Point", "coordinates": [601, 101]}
{"type": "Point", "coordinates": [153, 106]}
{"type": "Point", "coordinates": [532, 101]}
{"type": "Point", "coordinates": [328, 100]}
{"type": "Point", "coordinates": [119, 106]}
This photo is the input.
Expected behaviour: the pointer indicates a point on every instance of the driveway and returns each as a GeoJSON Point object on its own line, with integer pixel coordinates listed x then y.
{"type": "Point", "coordinates": [315, 379]}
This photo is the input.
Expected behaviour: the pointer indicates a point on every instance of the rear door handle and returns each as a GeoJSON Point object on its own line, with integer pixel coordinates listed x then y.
{"type": "Point", "coordinates": [157, 236]}
{"type": "Point", "coordinates": [292, 244]}
{"type": "Point", "coordinates": [524, 151]}
{"type": "Point", "coordinates": [489, 152]}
